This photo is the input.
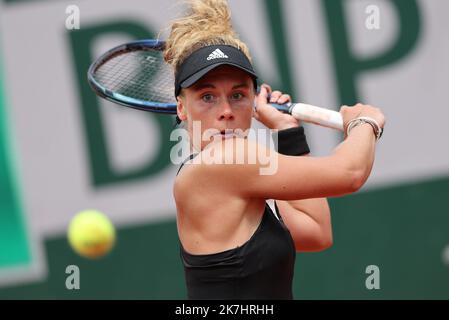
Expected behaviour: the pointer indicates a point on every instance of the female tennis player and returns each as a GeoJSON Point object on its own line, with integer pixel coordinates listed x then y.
{"type": "Point", "coordinates": [233, 246]}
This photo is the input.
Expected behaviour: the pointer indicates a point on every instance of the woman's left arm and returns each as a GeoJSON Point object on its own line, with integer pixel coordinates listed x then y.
{"type": "Point", "coordinates": [308, 220]}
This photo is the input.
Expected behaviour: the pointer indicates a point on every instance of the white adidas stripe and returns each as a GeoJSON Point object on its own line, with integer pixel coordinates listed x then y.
{"type": "Point", "coordinates": [216, 54]}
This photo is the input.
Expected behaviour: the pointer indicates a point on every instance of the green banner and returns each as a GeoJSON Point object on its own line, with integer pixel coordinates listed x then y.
{"type": "Point", "coordinates": [14, 249]}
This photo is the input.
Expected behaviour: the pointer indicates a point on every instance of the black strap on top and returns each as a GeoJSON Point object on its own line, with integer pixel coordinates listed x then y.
{"type": "Point", "coordinates": [187, 159]}
{"type": "Point", "coordinates": [276, 212]}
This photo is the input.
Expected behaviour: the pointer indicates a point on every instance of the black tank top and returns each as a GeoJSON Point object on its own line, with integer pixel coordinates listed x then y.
{"type": "Point", "coordinates": [262, 268]}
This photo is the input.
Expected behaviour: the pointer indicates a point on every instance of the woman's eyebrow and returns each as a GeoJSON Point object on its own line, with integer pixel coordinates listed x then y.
{"type": "Point", "coordinates": [241, 85]}
{"type": "Point", "coordinates": [204, 86]}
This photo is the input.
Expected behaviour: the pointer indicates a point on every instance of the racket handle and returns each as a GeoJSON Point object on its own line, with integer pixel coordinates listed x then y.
{"type": "Point", "coordinates": [312, 114]}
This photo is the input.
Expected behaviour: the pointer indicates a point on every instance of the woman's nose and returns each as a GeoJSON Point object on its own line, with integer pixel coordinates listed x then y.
{"type": "Point", "coordinates": [226, 112]}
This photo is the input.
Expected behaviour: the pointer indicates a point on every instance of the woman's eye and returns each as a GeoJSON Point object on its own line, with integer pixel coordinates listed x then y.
{"type": "Point", "coordinates": [208, 98]}
{"type": "Point", "coordinates": [237, 96]}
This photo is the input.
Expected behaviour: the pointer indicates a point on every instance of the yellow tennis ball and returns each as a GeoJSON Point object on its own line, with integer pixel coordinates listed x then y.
{"type": "Point", "coordinates": [91, 234]}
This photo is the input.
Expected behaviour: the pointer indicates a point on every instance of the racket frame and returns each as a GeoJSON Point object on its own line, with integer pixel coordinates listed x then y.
{"type": "Point", "coordinates": [150, 44]}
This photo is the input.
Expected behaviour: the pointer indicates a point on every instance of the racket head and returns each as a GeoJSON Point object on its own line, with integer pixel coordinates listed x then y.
{"type": "Point", "coordinates": [135, 75]}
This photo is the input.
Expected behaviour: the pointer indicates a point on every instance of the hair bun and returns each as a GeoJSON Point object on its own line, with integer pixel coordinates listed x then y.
{"type": "Point", "coordinates": [208, 22]}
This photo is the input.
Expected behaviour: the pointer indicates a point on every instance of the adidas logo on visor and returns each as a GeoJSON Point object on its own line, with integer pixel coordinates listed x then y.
{"type": "Point", "coordinates": [217, 53]}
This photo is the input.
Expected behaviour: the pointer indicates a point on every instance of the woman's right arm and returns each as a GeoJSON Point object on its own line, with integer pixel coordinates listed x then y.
{"type": "Point", "coordinates": [343, 172]}
{"type": "Point", "coordinates": [292, 178]}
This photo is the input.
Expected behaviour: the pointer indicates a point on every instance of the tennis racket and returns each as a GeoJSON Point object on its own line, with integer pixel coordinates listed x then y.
{"type": "Point", "coordinates": [135, 75]}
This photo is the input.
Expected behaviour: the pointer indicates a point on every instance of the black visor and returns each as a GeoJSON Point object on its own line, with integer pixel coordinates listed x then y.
{"type": "Point", "coordinates": [208, 58]}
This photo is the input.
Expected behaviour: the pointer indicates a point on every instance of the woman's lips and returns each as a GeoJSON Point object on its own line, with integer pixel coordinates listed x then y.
{"type": "Point", "coordinates": [228, 133]}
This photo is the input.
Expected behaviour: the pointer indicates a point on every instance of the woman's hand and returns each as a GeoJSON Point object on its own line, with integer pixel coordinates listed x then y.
{"type": "Point", "coordinates": [270, 116]}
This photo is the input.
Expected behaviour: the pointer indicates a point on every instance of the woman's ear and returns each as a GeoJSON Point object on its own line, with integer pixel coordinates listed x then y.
{"type": "Point", "coordinates": [181, 109]}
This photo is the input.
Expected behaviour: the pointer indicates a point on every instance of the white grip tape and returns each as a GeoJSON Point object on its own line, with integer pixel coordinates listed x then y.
{"type": "Point", "coordinates": [320, 116]}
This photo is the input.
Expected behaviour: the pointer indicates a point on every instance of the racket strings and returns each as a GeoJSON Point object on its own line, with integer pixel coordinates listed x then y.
{"type": "Point", "coordinates": [112, 72]}
{"type": "Point", "coordinates": [141, 75]}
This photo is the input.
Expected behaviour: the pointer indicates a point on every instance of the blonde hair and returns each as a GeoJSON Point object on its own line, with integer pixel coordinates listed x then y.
{"type": "Point", "coordinates": [208, 22]}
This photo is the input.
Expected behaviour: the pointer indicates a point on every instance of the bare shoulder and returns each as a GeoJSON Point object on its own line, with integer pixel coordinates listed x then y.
{"type": "Point", "coordinates": [222, 161]}
{"type": "Point", "coordinates": [216, 167]}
